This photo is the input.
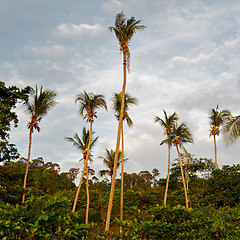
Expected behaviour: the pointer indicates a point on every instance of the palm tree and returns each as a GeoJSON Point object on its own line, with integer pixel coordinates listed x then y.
{"type": "Point", "coordinates": [38, 106]}
{"type": "Point", "coordinates": [181, 135]}
{"type": "Point", "coordinates": [124, 30]}
{"type": "Point", "coordinates": [167, 123]}
{"type": "Point", "coordinates": [217, 119]}
{"type": "Point", "coordinates": [89, 103]}
{"type": "Point", "coordinates": [82, 145]}
{"type": "Point", "coordinates": [109, 163]}
{"type": "Point", "coordinates": [117, 99]}
{"type": "Point", "coordinates": [231, 129]}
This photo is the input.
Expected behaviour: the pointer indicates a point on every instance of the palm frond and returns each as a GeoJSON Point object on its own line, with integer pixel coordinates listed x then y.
{"type": "Point", "coordinates": [231, 129]}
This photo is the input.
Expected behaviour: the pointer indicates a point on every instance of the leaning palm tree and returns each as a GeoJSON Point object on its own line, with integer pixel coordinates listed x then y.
{"type": "Point", "coordinates": [180, 135]}
{"type": "Point", "coordinates": [38, 106]}
{"type": "Point", "coordinates": [231, 129]}
{"type": "Point", "coordinates": [108, 161]}
{"type": "Point", "coordinates": [117, 99]}
{"type": "Point", "coordinates": [167, 123]}
{"type": "Point", "coordinates": [124, 30]}
{"type": "Point", "coordinates": [82, 145]}
{"type": "Point", "coordinates": [217, 119]}
{"type": "Point", "coordinates": [89, 103]}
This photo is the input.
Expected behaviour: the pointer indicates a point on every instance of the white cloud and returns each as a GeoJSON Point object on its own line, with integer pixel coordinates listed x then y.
{"type": "Point", "coordinates": [52, 51]}
{"type": "Point", "coordinates": [77, 31]}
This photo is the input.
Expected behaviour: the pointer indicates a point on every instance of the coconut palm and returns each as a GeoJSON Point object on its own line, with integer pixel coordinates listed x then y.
{"type": "Point", "coordinates": [124, 30]}
{"type": "Point", "coordinates": [217, 119]}
{"type": "Point", "coordinates": [180, 135]}
{"type": "Point", "coordinates": [82, 145]}
{"type": "Point", "coordinates": [37, 106]}
{"type": "Point", "coordinates": [89, 103]}
{"type": "Point", "coordinates": [117, 99]}
{"type": "Point", "coordinates": [167, 123]}
{"type": "Point", "coordinates": [231, 129]}
{"type": "Point", "coordinates": [108, 161]}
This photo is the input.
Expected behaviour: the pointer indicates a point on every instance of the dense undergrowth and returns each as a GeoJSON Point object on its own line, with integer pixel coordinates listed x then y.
{"type": "Point", "coordinates": [47, 212]}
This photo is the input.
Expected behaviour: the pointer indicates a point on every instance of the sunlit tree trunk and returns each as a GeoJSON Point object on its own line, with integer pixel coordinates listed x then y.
{"type": "Point", "coordinates": [183, 179]}
{"type": "Point", "coordinates": [168, 176]}
{"type": "Point", "coordinates": [215, 149]}
{"type": "Point", "coordinates": [27, 167]}
{"type": "Point", "coordinates": [110, 204]}
{"type": "Point", "coordinates": [84, 169]}
{"type": "Point", "coordinates": [87, 190]}
{"type": "Point", "coordinates": [122, 179]}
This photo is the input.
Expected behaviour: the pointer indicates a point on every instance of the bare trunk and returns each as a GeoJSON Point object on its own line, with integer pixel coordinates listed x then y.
{"type": "Point", "coordinates": [28, 160]}
{"type": "Point", "coordinates": [117, 144]}
{"type": "Point", "coordinates": [87, 190]}
{"type": "Point", "coordinates": [215, 149]}
{"type": "Point", "coordinates": [168, 176]}
{"type": "Point", "coordinates": [183, 179]}
{"type": "Point", "coordinates": [84, 169]}
{"type": "Point", "coordinates": [122, 176]}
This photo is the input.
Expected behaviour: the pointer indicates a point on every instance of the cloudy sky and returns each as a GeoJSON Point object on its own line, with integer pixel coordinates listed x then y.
{"type": "Point", "coordinates": [186, 60]}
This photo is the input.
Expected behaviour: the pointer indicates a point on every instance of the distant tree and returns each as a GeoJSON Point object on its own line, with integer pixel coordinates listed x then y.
{"type": "Point", "coordinates": [147, 176]}
{"type": "Point", "coordinates": [155, 174]}
{"type": "Point", "coordinates": [72, 173]}
{"type": "Point", "coordinates": [124, 30]}
{"type": "Point", "coordinates": [180, 135]}
{"type": "Point", "coordinates": [89, 103]}
{"type": "Point", "coordinates": [167, 123]}
{"type": "Point", "coordinates": [217, 119]}
{"type": "Point", "coordinates": [38, 107]}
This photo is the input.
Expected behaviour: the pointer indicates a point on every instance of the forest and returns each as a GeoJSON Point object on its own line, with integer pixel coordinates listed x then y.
{"type": "Point", "coordinates": [197, 200]}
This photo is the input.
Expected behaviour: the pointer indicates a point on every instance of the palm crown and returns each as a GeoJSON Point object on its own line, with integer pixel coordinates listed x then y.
{"type": "Point", "coordinates": [167, 123]}
{"type": "Point", "coordinates": [109, 162]}
{"type": "Point", "coordinates": [90, 102]}
{"type": "Point", "coordinates": [181, 134]}
{"type": "Point", "coordinates": [124, 30]}
{"type": "Point", "coordinates": [40, 105]}
{"type": "Point", "coordinates": [117, 101]}
{"type": "Point", "coordinates": [217, 118]}
{"type": "Point", "coordinates": [82, 144]}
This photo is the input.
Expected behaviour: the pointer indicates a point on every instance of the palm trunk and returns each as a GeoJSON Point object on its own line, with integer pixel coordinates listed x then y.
{"type": "Point", "coordinates": [84, 169]}
{"type": "Point", "coordinates": [87, 190]}
{"type": "Point", "coordinates": [117, 144]}
{"type": "Point", "coordinates": [28, 160]}
{"type": "Point", "coordinates": [215, 149]}
{"type": "Point", "coordinates": [168, 176]}
{"type": "Point", "coordinates": [183, 179]}
{"type": "Point", "coordinates": [122, 176]}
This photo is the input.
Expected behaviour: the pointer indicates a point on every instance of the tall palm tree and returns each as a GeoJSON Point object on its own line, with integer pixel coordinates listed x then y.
{"type": "Point", "coordinates": [167, 123]}
{"type": "Point", "coordinates": [82, 145]}
{"type": "Point", "coordinates": [117, 99]}
{"type": "Point", "coordinates": [231, 129]}
{"type": "Point", "coordinates": [217, 119]}
{"type": "Point", "coordinates": [108, 161]}
{"type": "Point", "coordinates": [89, 103]}
{"type": "Point", "coordinates": [124, 30]}
{"type": "Point", "coordinates": [180, 135]}
{"type": "Point", "coordinates": [38, 106]}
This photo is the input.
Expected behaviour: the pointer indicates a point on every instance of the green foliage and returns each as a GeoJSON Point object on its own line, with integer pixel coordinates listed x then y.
{"type": "Point", "coordinates": [179, 223]}
{"type": "Point", "coordinates": [9, 97]}
{"type": "Point", "coordinates": [42, 218]}
{"type": "Point", "coordinates": [43, 178]}
{"type": "Point", "coordinates": [223, 188]}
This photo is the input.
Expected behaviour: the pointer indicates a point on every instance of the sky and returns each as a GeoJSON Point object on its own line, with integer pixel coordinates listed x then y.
{"type": "Point", "coordinates": [186, 61]}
